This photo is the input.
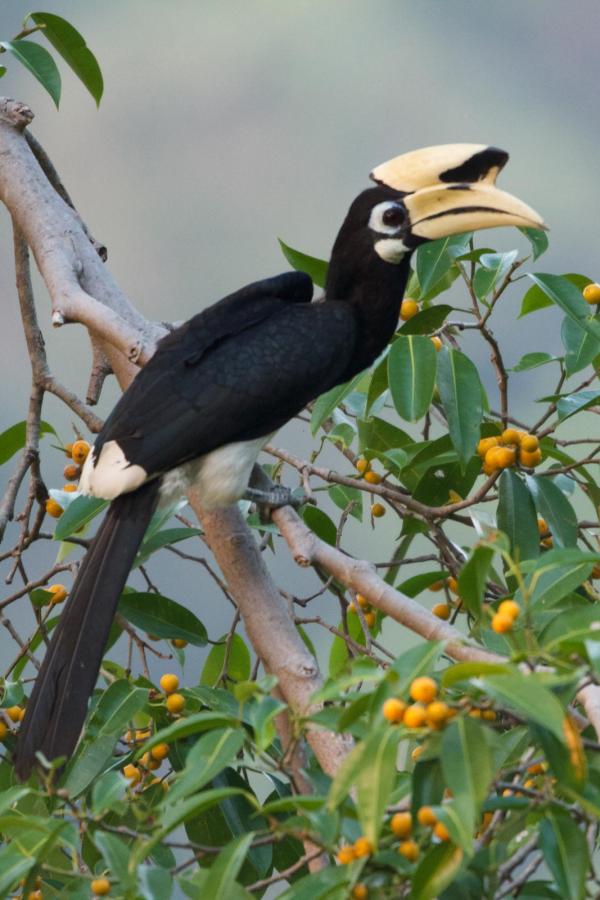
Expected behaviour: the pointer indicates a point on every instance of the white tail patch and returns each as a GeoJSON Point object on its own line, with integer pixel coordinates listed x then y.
{"type": "Point", "coordinates": [112, 475]}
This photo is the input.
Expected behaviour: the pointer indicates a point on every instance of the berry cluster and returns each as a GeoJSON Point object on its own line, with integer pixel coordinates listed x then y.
{"type": "Point", "coordinates": [426, 711]}
{"type": "Point", "coordinates": [78, 452]}
{"type": "Point", "coordinates": [508, 449]}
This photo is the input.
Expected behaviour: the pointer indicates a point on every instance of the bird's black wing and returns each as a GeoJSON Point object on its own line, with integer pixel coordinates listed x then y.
{"type": "Point", "coordinates": [196, 395]}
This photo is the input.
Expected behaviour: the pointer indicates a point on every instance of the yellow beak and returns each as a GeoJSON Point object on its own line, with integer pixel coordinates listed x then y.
{"type": "Point", "coordinates": [451, 188]}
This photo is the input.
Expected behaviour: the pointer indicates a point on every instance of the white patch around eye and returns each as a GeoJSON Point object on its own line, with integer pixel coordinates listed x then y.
{"type": "Point", "coordinates": [391, 250]}
{"type": "Point", "coordinates": [376, 222]}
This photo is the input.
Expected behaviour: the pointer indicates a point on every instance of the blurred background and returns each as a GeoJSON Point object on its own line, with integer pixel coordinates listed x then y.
{"type": "Point", "coordinates": [227, 124]}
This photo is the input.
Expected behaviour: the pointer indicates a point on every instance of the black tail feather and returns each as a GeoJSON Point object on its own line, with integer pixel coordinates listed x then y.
{"type": "Point", "coordinates": [58, 704]}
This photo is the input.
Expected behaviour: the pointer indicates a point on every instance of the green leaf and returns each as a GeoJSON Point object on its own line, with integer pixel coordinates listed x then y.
{"type": "Point", "coordinates": [154, 883]}
{"type": "Point", "coordinates": [528, 697]}
{"type": "Point", "coordinates": [516, 516]}
{"type": "Point", "coordinates": [553, 506]}
{"type": "Point", "coordinates": [418, 583]}
{"type": "Point", "coordinates": [375, 779]}
{"type": "Point", "coordinates": [162, 617]}
{"type": "Point", "coordinates": [160, 539]}
{"type": "Point", "coordinates": [427, 320]}
{"type": "Point", "coordinates": [467, 765]}
{"type": "Point", "coordinates": [538, 240]}
{"type": "Point", "coordinates": [13, 439]}
{"type": "Point", "coordinates": [435, 258]}
{"type": "Point", "coordinates": [81, 511]}
{"type": "Point", "coordinates": [377, 434]}
{"type": "Point", "coordinates": [535, 298]}
{"type": "Point", "coordinates": [2, 71]}
{"type": "Point", "coordinates": [565, 851]}
{"type": "Point", "coordinates": [574, 403]}
{"type": "Point", "coordinates": [436, 870]}
{"type": "Point", "coordinates": [581, 347]}
{"type": "Point", "coordinates": [558, 573]}
{"type": "Point", "coordinates": [533, 360]}
{"type": "Point", "coordinates": [342, 496]}
{"type": "Point", "coordinates": [493, 268]}
{"type": "Point", "coordinates": [40, 64]}
{"type": "Point", "coordinates": [209, 756]}
{"type": "Point", "coordinates": [182, 728]}
{"type": "Point", "coordinates": [564, 294]}
{"type": "Point", "coordinates": [183, 810]}
{"type": "Point", "coordinates": [462, 398]}
{"type": "Point", "coordinates": [326, 403]}
{"type": "Point", "coordinates": [224, 870]}
{"type": "Point", "coordinates": [13, 866]}
{"type": "Point", "coordinates": [411, 374]}
{"type": "Point", "coordinates": [319, 522]}
{"type": "Point", "coordinates": [331, 883]}
{"type": "Point", "coordinates": [468, 670]}
{"type": "Point", "coordinates": [115, 853]}
{"type": "Point", "coordinates": [73, 49]}
{"type": "Point", "coordinates": [472, 578]}
{"type": "Point", "coordinates": [316, 268]}
{"type": "Point", "coordinates": [238, 662]}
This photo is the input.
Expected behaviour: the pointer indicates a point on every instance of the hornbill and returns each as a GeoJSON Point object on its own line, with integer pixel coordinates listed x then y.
{"type": "Point", "coordinates": [221, 384]}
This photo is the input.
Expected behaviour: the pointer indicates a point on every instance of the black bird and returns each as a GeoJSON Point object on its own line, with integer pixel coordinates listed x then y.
{"type": "Point", "coordinates": [222, 383]}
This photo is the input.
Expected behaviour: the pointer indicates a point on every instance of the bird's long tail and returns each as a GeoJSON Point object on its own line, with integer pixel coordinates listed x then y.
{"type": "Point", "coordinates": [58, 704]}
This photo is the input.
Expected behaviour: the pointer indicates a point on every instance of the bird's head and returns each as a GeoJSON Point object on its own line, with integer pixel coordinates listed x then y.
{"type": "Point", "coordinates": [422, 196]}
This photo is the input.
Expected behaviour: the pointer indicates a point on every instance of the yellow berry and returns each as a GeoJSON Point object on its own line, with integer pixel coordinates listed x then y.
{"type": "Point", "coordinates": [346, 855]}
{"type": "Point", "coordinates": [401, 824]}
{"type": "Point", "coordinates": [437, 343]}
{"type": "Point", "coordinates": [504, 457]}
{"type": "Point", "coordinates": [53, 508]}
{"type": "Point", "coordinates": [475, 713]}
{"type": "Point", "coordinates": [362, 601]}
{"type": "Point", "coordinates": [393, 710]}
{"type": "Point", "coordinates": [100, 886]}
{"type": "Point", "coordinates": [509, 608]}
{"type": "Point", "coordinates": [548, 542]}
{"type": "Point", "coordinates": [179, 643]}
{"type": "Point", "coordinates": [489, 715]}
{"type": "Point", "coordinates": [591, 294]}
{"type": "Point", "coordinates": [501, 623]}
{"type": "Point", "coordinates": [68, 448]}
{"type": "Point", "coordinates": [59, 593]}
{"type": "Point", "coordinates": [160, 752]}
{"type": "Point", "coordinates": [424, 689]}
{"type": "Point", "coordinates": [362, 847]}
{"type": "Point", "coordinates": [530, 459]}
{"type": "Point", "coordinates": [441, 832]}
{"type": "Point", "coordinates": [414, 717]}
{"type": "Point", "coordinates": [175, 703]}
{"type": "Point", "coordinates": [529, 443]}
{"type": "Point", "coordinates": [14, 713]}
{"type": "Point", "coordinates": [377, 510]}
{"type": "Point", "coordinates": [409, 849]}
{"type": "Point", "coordinates": [408, 309]}
{"type": "Point", "coordinates": [69, 488]}
{"type": "Point", "coordinates": [132, 773]}
{"type": "Point", "coordinates": [142, 734]}
{"type": "Point", "coordinates": [536, 769]}
{"type": "Point", "coordinates": [486, 444]}
{"type": "Point", "coordinates": [595, 574]}
{"type": "Point", "coordinates": [35, 895]}
{"type": "Point", "coordinates": [372, 477]}
{"type": "Point", "coordinates": [542, 526]}
{"type": "Point", "coordinates": [510, 436]}
{"type": "Point", "coordinates": [362, 465]}
{"type": "Point", "coordinates": [3, 730]}
{"type": "Point", "coordinates": [437, 585]}
{"type": "Point", "coordinates": [370, 619]}
{"type": "Point", "coordinates": [416, 753]}
{"type": "Point", "coordinates": [426, 817]}
{"type": "Point", "coordinates": [360, 891]}
{"type": "Point", "coordinates": [80, 451]}
{"type": "Point", "coordinates": [169, 683]}
{"type": "Point", "coordinates": [437, 713]}
{"type": "Point", "coordinates": [71, 472]}
{"type": "Point", "coordinates": [442, 611]}
{"type": "Point", "coordinates": [452, 584]}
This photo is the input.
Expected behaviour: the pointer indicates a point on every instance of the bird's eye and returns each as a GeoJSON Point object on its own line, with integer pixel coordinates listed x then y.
{"type": "Point", "coordinates": [394, 216]}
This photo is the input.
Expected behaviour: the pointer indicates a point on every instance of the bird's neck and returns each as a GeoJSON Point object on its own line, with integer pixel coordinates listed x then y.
{"type": "Point", "coordinates": [375, 292]}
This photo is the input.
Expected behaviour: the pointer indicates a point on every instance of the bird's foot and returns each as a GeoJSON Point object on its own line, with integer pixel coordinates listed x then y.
{"type": "Point", "coordinates": [274, 498]}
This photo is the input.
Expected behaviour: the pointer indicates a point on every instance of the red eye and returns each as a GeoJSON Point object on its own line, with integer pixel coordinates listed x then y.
{"type": "Point", "coordinates": [394, 216]}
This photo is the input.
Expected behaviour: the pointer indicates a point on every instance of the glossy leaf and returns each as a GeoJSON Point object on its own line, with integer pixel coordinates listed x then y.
{"type": "Point", "coordinates": [316, 268]}
{"type": "Point", "coordinates": [13, 439]}
{"type": "Point", "coordinates": [238, 661]}
{"type": "Point", "coordinates": [326, 403]}
{"type": "Point", "coordinates": [535, 298]}
{"type": "Point", "coordinates": [533, 360]}
{"type": "Point", "coordinates": [467, 764]}
{"type": "Point", "coordinates": [39, 62]}
{"type": "Point", "coordinates": [568, 297]}
{"type": "Point", "coordinates": [81, 511]}
{"type": "Point", "coordinates": [436, 870]}
{"type": "Point", "coordinates": [342, 496]}
{"type": "Point", "coordinates": [435, 258]}
{"type": "Point", "coordinates": [516, 516]}
{"type": "Point", "coordinates": [157, 615]}
{"type": "Point", "coordinates": [154, 882]}
{"type": "Point", "coordinates": [538, 240]}
{"type": "Point", "coordinates": [427, 320]}
{"type": "Point", "coordinates": [194, 724]}
{"type": "Point", "coordinates": [411, 374]}
{"type": "Point", "coordinates": [73, 49]}
{"type": "Point", "coordinates": [493, 268]}
{"type": "Point", "coordinates": [528, 697]}
{"type": "Point", "coordinates": [580, 345]}
{"type": "Point", "coordinates": [472, 578]}
{"type": "Point", "coordinates": [224, 870]}
{"type": "Point", "coordinates": [564, 846]}
{"type": "Point", "coordinates": [462, 398]}
{"type": "Point", "coordinates": [553, 506]}
{"type": "Point", "coordinates": [558, 573]}
{"type": "Point", "coordinates": [209, 756]}
{"type": "Point", "coordinates": [374, 780]}
{"type": "Point", "coordinates": [164, 538]}
{"type": "Point", "coordinates": [319, 522]}
{"type": "Point", "coordinates": [574, 403]}
{"type": "Point", "coordinates": [465, 671]}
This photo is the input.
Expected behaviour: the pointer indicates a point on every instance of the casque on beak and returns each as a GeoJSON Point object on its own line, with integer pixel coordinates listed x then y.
{"type": "Point", "coordinates": [451, 188]}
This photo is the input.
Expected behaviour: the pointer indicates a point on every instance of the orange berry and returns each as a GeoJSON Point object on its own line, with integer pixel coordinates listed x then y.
{"type": "Point", "coordinates": [530, 459]}
{"type": "Point", "coordinates": [132, 773]}
{"type": "Point", "coordinates": [426, 817]}
{"type": "Point", "coordinates": [80, 451]}
{"type": "Point", "coordinates": [71, 473]}
{"type": "Point", "coordinates": [488, 469]}
{"type": "Point", "coordinates": [437, 713]}
{"type": "Point", "coordinates": [370, 619]}
{"type": "Point", "coordinates": [437, 343]}
{"type": "Point", "coordinates": [401, 824]}
{"type": "Point", "coordinates": [542, 525]}
{"type": "Point", "coordinates": [69, 488]}
{"type": "Point", "coordinates": [409, 849]}
{"type": "Point", "coordinates": [35, 895]}
{"type": "Point", "coordinates": [59, 593]}
{"type": "Point", "coordinates": [441, 832]}
{"type": "Point", "coordinates": [536, 769]}
{"type": "Point", "coordinates": [377, 510]}
{"type": "Point", "coordinates": [424, 689]}
{"type": "Point", "coordinates": [414, 717]}
{"type": "Point", "coordinates": [505, 457]}
{"type": "Point", "coordinates": [529, 443]}
{"type": "Point", "coordinates": [175, 703]}
{"type": "Point", "coordinates": [3, 730]}
{"type": "Point", "coordinates": [548, 542]}
{"type": "Point", "coordinates": [452, 584]}
{"type": "Point", "coordinates": [475, 713]}
{"type": "Point", "coordinates": [362, 465]}
{"type": "Point", "coordinates": [501, 623]}
{"type": "Point", "coordinates": [408, 309]}
{"type": "Point", "coordinates": [14, 713]}
{"type": "Point", "coordinates": [416, 753]}
{"type": "Point", "coordinates": [179, 643]}
{"type": "Point", "coordinates": [489, 715]}
{"type": "Point", "coordinates": [142, 734]}
{"type": "Point", "coordinates": [100, 886]}
{"type": "Point", "coordinates": [362, 601]}
{"type": "Point", "coordinates": [160, 752]}
{"type": "Point", "coordinates": [346, 855]}
{"type": "Point", "coordinates": [442, 611]}
{"type": "Point", "coordinates": [509, 436]}
{"type": "Point", "coordinates": [393, 710]}
{"type": "Point", "coordinates": [68, 448]}
{"type": "Point", "coordinates": [509, 608]}
{"type": "Point", "coordinates": [437, 585]}
{"type": "Point", "coordinates": [595, 573]}
{"type": "Point", "coordinates": [362, 847]}
{"type": "Point", "coordinates": [54, 509]}
{"type": "Point", "coordinates": [360, 891]}
{"type": "Point", "coordinates": [372, 477]}
{"type": "Point", "coordinates": [591, 294]}
{"type": "Point", "coordinates": [169, 683]}
{"type": "Point", "coordinates": [486, 444]}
